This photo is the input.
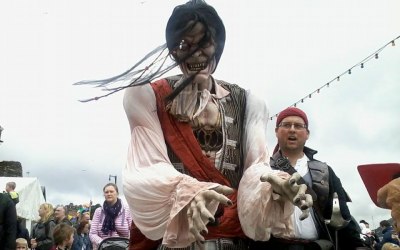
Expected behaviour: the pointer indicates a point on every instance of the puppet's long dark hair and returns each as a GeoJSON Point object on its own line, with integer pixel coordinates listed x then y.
{"type": "Point", "coordinates": [159, 58]}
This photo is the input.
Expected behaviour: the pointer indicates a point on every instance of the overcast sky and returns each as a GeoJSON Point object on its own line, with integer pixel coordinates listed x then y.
{"type": "Point", "coordinates": [281, 50]}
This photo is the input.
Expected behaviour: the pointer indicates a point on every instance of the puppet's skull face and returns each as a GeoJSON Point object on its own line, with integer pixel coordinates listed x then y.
{"type": "Point", "coordinates": [195, 55]}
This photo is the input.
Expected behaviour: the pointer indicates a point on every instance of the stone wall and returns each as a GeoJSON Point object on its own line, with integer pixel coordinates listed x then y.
{"type": "Point", "coordinates": [10, 169]}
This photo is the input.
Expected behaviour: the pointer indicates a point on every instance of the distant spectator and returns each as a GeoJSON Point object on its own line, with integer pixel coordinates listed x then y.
{"type": "Point", "coordinates": [63, 236]}
{"type": "Point", "coordinates": [84, 208]}
{"type": "Point", "coordinates": [10, 189]}
{"type": "Point", "coordinates": [8, 223]}
{"type": "Point", "coordinates": [85, 216]}
{"type": "Point", "coordinates": [81, 215]}
{"type": "Point", "coordinates": [21, 244]}
{"type": "Point", "coordinates": [364, 227]}
{"type": "Point", "coordinates": [387, 230]}
{"type": "Point", "coordinates": [112, 220]}
{"type": "Point", "coordinates": [81, 238]}
{"type": "Point", "coordinates": [366, 233]}
{"type": "Point", "coordinates": [42, 233]}
{"type": "Point", "coordinates": [74, 219]}
{"type": "Point", "coordinates": [22, 231]}
{"type": "Point", "coordinates": [60, 215]}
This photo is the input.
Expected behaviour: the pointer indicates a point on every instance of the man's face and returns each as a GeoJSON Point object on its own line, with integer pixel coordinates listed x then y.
{"type": "Point", "coordinates": [291, 135]}
{"type": "Point", "coordinates": [59, 213]}
{"type": "Point", "coordinates": [202, 60]}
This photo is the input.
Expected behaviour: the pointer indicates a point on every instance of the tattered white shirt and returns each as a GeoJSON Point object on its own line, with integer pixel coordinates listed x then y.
{"type": "Point", "coordinates": [158, 194]}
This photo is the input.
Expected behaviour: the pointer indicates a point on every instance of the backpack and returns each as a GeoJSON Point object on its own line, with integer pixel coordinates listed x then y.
{"type": "Point", "coordinates": [114, 243]}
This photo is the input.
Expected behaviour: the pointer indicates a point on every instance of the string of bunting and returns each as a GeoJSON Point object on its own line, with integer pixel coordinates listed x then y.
{"type": "Point", "coordinates": [360, 64]}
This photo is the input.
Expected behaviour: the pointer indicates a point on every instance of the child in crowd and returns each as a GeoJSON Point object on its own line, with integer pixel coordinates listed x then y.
{"type": "Point", "coordinates": [63, 236]}
{"type": "Point", "coordinates": [21, 244]}
{"type": "Point", "coordinates": [10, 189]}
{"type": "Point", "coordinates": [81, 238]}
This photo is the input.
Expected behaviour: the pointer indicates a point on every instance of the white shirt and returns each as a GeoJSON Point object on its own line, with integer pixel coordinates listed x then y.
{"type": "Point", "coordinates": [304, 229]}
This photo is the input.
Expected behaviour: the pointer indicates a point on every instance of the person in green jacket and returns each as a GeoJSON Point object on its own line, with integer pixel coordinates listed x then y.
{"type": "Point", "coordinates": [10, 189]}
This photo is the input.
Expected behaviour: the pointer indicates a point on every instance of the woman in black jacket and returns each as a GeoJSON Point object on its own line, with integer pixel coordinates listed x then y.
{"type": "Point", "coordinates": [42, 233]}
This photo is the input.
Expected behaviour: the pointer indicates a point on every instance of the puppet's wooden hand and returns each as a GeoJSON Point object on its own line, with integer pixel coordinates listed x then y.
{"type": "Point", "coordinates": [198, 214]}
{"type": "Point", "coordinates": [289, 189]}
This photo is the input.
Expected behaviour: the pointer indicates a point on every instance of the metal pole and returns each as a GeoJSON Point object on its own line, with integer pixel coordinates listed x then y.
{"type": "Point", "coordinates": [1, 130]}
{"type": "Point", "coordinates": [113, 176]}
{"type": "Point", "coordinates": [336, 240]}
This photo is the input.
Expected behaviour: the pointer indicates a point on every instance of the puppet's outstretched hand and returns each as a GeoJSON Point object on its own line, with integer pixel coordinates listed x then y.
{"type": "Point", "coordinates": [198, 214]}
{"type": "Point", "coordinates": [289, 189]}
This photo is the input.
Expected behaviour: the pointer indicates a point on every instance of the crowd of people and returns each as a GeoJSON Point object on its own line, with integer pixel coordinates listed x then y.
{"type": "Point", "coordinates": [389, 238]}
{"type": "Point", "coordinates": [55, 230]}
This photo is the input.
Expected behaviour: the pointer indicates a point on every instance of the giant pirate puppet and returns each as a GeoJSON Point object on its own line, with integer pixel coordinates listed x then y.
{"type": "Point", "coordinates": [194, 141]}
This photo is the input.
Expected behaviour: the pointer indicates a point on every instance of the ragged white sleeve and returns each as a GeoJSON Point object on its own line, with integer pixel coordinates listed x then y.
{"type": "Point", "coordinates": [260, 213]}
{"type": "Point", "coordinates": [156, 192]}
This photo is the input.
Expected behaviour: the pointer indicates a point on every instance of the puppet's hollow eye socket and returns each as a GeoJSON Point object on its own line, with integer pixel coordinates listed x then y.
{"type": "Point", "coordinates": [183, 45]}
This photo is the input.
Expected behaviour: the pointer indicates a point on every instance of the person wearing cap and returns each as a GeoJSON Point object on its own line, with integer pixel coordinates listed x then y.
{"type": "Point", "coordinates": [198, 148]}
{"type": "Point", "coordinates": [291, 155]}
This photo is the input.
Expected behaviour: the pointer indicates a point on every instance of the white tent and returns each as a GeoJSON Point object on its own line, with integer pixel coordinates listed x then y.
{"type": "Point", "coordinates": [30, 197]}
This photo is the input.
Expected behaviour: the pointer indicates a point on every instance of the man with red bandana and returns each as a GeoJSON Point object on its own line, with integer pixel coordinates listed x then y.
{"type": "Point", "coordinates": [291, 155]}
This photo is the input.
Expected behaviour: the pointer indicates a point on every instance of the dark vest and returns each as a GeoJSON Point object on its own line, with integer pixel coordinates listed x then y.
{"type": "Point", "coordinates": [232, 108]}
{"type": "Point", "coordinates": [320, 181]}
{"type": "Point", "coordinates": [319, 176]}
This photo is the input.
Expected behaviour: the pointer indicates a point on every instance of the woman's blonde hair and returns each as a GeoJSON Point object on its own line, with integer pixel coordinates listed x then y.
{"type": "Point", "coordinates": [49, 212]}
